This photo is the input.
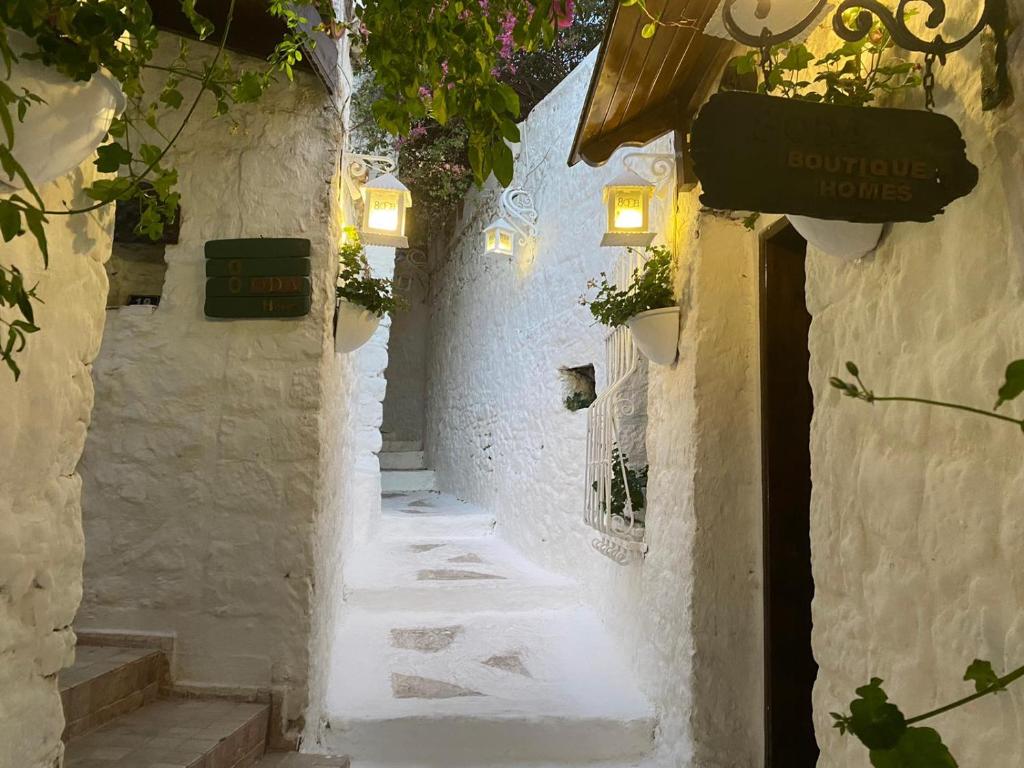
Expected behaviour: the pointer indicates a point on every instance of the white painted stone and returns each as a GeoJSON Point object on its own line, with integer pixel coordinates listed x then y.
{"type": "Point", "coordinates": [412, 680]}
{"type": "Point", "coordinates": [405, 481]}
{"type": "Point", "coordinates": [390, 445]}
{"type": "Point", "coordinates": [41, 437]}
{"type": "Point", "coordinates": [401, 460]}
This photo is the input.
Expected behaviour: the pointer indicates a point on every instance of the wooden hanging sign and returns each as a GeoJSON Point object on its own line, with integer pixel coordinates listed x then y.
{"type": "Point", "coordinates": [754, 152]}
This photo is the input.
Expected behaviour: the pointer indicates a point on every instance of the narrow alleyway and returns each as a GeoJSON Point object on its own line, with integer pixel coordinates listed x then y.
{"type": "Point", "coordinates": [456, 650]}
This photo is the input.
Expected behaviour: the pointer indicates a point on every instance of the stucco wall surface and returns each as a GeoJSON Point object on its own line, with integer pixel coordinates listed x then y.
{"type": "Point", "coordinates": [41, 440]}
{"type": "Point", "coordinates": [204, 469]}
{"type": "Point", "coordinates": [500, 436]}
{"type": "Point", "coordinates": [917, 529]}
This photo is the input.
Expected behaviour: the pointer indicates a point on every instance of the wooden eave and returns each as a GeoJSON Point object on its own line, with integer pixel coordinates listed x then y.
{"type": "Point", "coordinates": [253, 32]}
{"type": "Point", "coordinates": [643, 88]}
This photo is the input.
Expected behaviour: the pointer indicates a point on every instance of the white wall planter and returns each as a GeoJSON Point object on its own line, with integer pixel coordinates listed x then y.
{"type": "Point", "coordinates": [656, 333]}
{"type": "Point", "coordinates": [843, 239]}
{"type": "Point", "coordinates": [61, 134]}
{"type": "Point", "coordinates": [355, 327]}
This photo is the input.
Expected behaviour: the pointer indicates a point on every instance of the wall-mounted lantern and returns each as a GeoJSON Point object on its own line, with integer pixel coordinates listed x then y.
{"type": "Point", "coordinates": [516, 224]}
{"type": "Point", "coordinates": [499, 238]}
{"type": "Point", "coordinates": [385, 200]}
{"type": "Point", "coordinates": [628, 201]}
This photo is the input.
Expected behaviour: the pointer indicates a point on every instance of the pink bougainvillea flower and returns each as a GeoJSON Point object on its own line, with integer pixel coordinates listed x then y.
{"type": "Point", "coordinates": [563, 12]}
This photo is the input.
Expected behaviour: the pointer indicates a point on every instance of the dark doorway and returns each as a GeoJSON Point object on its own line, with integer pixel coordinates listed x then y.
{"type": "Point", "coordinates": [786, 408]}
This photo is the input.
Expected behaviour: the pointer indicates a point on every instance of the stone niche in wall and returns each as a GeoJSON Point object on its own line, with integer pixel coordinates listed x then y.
{"type": "Point", "coordinates": [137, 268]}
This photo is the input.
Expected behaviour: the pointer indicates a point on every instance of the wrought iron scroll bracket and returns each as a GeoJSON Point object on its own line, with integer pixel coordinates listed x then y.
{"type": "Point", "coordinates": [518, 209]}
{"type": "Point", "coordinates": [357, 169]}
{"type": "Point", "coordinates": [994, 15]}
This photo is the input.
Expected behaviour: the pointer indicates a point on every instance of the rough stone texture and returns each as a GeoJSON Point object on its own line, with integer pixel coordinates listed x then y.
{"type": "Point", "coordinates": [205, 467]}
{"type": "Point", "coordinates": [41, 439]}
{"type": "Point", "coordinates": [916, 529]}
{"type": "Point", "coordinates": [405, 405]}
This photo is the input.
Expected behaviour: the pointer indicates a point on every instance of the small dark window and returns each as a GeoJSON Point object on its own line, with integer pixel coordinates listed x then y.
{"type": "Point", "coordinates": [580, 387]}
{"type": "Point", "coordinates": [137, 268]}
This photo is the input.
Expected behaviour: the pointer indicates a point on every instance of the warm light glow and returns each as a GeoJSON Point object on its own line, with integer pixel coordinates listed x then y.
{"type": "Point", "coordinates": [504, 240]}
{"type": "Point", "coordinates": [382, 214]}
{"type": "Point", "coordinates": [629, 210]}
{"type": "Point", "coordinates": [499, 238]}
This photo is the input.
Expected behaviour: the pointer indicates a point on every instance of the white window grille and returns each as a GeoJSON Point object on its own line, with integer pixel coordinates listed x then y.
{"type": "Point", "coordinates": [621, 536]}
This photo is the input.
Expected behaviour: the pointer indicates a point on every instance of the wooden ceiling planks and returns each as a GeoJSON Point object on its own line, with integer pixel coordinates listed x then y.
{"type": "Point", "coordinates": [644, 87]}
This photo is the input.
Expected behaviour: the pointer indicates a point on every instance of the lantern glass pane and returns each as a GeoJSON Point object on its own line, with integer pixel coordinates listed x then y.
{"type": "Point", "coordinates": [383, 211]}
{"type": "Point", "coordinates": [504, 241]}
{"type": "Point", "coordinates": [628, 210]}
{"type": "Point", "coordinates": [491, 239]}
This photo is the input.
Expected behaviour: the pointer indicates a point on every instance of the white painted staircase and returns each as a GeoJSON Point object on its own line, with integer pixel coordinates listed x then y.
{"type": "Point", "coordinates": [403, 468]}
{"type": "Point", "coordinates": [455, 650]}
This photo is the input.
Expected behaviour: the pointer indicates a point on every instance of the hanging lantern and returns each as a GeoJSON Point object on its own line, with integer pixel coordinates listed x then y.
{"type": "Point", "coordinates": [385, 200]}
{"type": "Point", "coordinates": [499, 238]}
{"type": "Point", "coordinates": [628, 200]}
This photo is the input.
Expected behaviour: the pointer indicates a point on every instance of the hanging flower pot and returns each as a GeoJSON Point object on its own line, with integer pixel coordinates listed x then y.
{"type": "Point", "coordinates": [356, 326]}
{"type": "Point", "coordinates": [60, 134]}
{"type": "Point", "coordinates": [842, 239]}
{"type": "Point", "coordinates": [656, 333]}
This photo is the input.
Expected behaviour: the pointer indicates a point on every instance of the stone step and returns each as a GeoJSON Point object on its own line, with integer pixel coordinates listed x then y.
{"type": "Point", "coordinates": [407, 481]}
{"type": "Point", "coordinates": [431, 515]}
{"type": "Point", "coordinates": [401, 460]}
{"type": "Point", "coordinates": [484, 689]}
{"type": "Point", "coordinates": [176, 733]}
{"type": "Point", "coordinates": [393, 446]}
{"type": "Point", "coordinates": [106, 682]}
{"type": "Point", "coordinates": [295, 760]}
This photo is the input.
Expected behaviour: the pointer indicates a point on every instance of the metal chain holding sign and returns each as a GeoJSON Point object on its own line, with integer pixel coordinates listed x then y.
{"type": "Point", "coordinates": [928, 82]}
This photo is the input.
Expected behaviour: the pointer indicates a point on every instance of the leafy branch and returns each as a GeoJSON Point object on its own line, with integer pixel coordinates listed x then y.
{"type": "Point", "coordinates": [651, 27]}
{"type": "Point", "coordinates": [1010, 390]}
{"type": "Point", "coordinates": [357, 284]}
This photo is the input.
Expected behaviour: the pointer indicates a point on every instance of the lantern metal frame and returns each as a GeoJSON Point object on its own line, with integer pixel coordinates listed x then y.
{"type": "Point", "coordinates": [994, 15]}
{"type": "Point", "coordinates": [518, 216]}
{"type": "Point", "coordinates": [652, 170]}
{"type": "Point", "coordinates": [361, 174]}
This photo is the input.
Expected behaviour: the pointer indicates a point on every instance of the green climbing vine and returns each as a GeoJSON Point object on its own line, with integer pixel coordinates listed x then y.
{"type": "Point", "coordinates": [894, 740]}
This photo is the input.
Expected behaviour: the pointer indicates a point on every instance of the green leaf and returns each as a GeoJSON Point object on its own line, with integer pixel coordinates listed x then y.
{"type": "Point", "coordinates": [649, 30]}
{"type": "Point", "coordinates": [504, 164]}
{"type": "Point", "coordinates": [796, 59]}
{"type": "Point", "coordinates": [34, 220]}
{"type": "Point", "coordinates": [110, 157]}
{"type": "Point", "coordinates": [10, 220]}
{"type": "Point", "coordinates": [876, 722]}
{"type": "Point", "coordinates": [171, 97]}
{"type": "Point", "coordinates": [983, 675]}
{"type": "Point", "coordinates": [917, 748]}
{"type": "Point", "coordinates": [1014, 385]}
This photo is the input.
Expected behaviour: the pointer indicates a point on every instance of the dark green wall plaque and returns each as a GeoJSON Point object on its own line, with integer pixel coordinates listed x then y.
{"type": "Point", "coordinates": [257, 267]}
{"type": "Point", "coordinates": [251, 307]}
{"type": "Point", "coordinates": [259, 277]}
{"type": "Point", "coordinates": [258, 248]}
{"type": "Point", "coordinates": [258, 286]}
{"type": "Point", "coordinates": [753, 152]}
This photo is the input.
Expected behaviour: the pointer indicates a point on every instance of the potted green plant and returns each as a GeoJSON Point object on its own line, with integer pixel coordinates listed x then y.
{"type": "Point", "coordinates": [854, 74]}
{"type": "Point", "coordinates": [647, 306]}
{"type": "Point", "coordinates": [626, 479]}
{"type": "Point", "coordinates": [362, 298]}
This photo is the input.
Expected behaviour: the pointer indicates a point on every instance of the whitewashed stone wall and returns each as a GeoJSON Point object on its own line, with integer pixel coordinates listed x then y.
{"type": "Point", "coordinates": [205, 473]}
{"type": "Point", "coordinates": [41, 439]}
{"type": "Point", "coordinates": [916, 530]}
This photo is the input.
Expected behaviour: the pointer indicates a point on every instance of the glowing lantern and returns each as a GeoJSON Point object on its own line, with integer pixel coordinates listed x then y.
{"type": "Point", "coordinates": [499, 238]}
{"type": "Point", "coordinates": [628, 199]}
{"type": "Point", "coordinates": [385, 200]}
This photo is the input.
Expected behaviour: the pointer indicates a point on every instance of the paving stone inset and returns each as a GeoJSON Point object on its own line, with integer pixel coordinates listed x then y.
{"type": "Point", "coordinates": [421, 503]}
{"type": "Point", "coordinates": [510, 662]}
{"type": "Point", "coordinates": [424, 547]}
{"type": "Point", "coordinates": [452, 574]}
{"type": "Point", "coordinates": [414, 687]}
{"type": "Point", "coordinates": [426, 639]}
{"type": "Point", "coordinates": [470, 558]}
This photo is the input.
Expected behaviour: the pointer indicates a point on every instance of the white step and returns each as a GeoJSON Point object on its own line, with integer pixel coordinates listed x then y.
{"type": "Point", "coordinates": [390, 446]}
{"type": "Point", "coordinates": [428, 515]}
{"type": "Point", "coordinates": [481, 689]}
{"type": "Point", "coordinates": [405, 481]}
{"type": "Point", "coordinates": [401, 460]}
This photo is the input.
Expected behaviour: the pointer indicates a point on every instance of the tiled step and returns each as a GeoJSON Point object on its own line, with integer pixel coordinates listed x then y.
{"type": "Point", "coordinates": [407, 481]}
{"type": "Point", "coordinates": [176, 733]}
{"type": "Point", "coordinates": [392, 446]}
{"type": "Point", "coordinates": [401, 460]}
{"type": "Point", "coordinates": [105, 683]}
